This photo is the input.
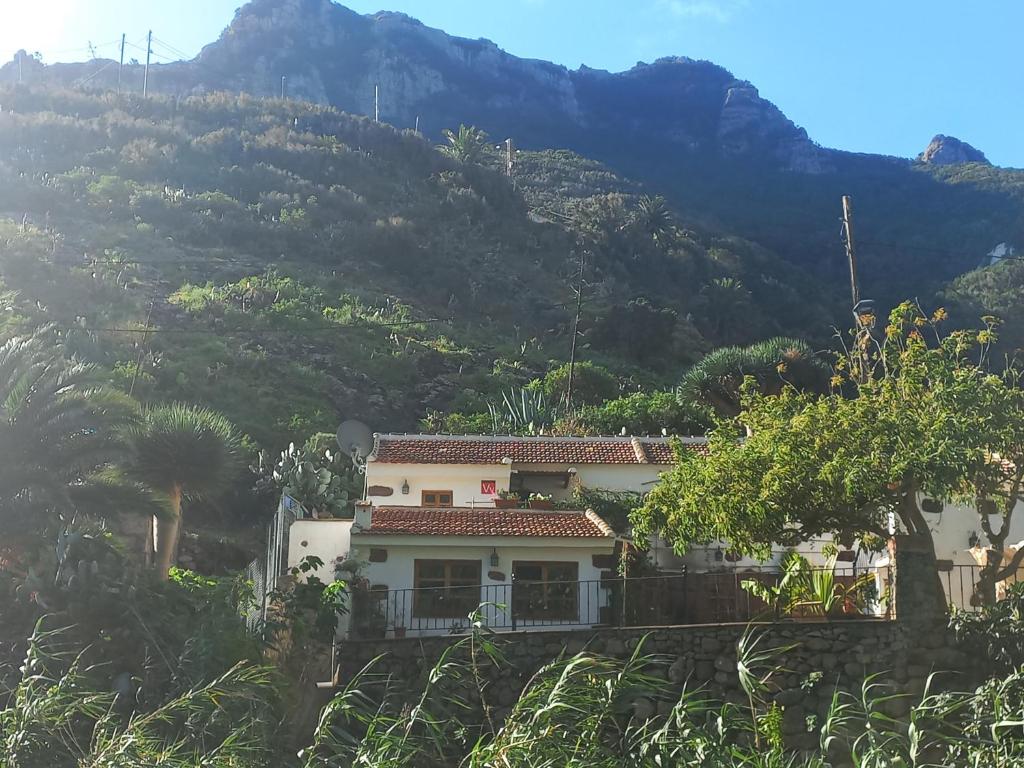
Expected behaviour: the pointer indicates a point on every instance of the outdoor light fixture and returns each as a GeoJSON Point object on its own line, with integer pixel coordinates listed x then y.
{"type": "Point", "coordinates": [405, 487]}
{"type": "Point", "coordinates": [864, 313]}
{"type": "Point", "coordinates": [495, 560]}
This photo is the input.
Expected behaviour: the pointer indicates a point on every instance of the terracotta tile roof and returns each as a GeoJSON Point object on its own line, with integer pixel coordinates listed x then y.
{"type": "Point", "coordinates": [475, 449]}
{"type": "Point", "coordinates": [420, 521]}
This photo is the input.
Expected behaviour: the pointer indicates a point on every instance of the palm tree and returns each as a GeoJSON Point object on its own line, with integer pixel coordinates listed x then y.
{"type": "Point", "coordinates": [655, 219]}
{"type": "Point", "coordinates": [465, 145]}
{"type": "Point", "coordinates": [725, 305]}
{"type": "Point", "coordinates": [774, 364]}
{"type": "Point", "coordinates": [59, 432]}
{"type": "Point", "coordinates": [182, 451]}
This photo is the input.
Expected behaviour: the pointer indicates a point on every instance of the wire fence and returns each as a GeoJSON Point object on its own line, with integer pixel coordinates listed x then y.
{"type": "Point", "coordinates": [265, 572]}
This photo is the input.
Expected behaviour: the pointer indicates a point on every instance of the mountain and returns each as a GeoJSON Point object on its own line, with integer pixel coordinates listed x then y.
{"type": "Point", "coordinates": [730, 160]}
{"type": "Point", "coordinates": [304, 263]}
{"type": "Point", "coordinates": [949, 150]}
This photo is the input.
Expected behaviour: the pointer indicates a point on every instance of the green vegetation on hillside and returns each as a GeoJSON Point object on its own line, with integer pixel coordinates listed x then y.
{"type": "Point", "coordinates": [300, 265]}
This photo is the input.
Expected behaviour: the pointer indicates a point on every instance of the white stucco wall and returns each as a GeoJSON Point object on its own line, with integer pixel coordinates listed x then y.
{"type": "Point", "coordinates": [326, 539]}
{"type": "Point", "coordinates": [397, 573]}
{"type": "Point", "coordinates": [952, 528]}
{"type": "Point", "coordinates": [463, 480]}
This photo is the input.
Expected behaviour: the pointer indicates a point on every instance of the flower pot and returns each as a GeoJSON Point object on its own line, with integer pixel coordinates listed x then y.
{"type": "Point", "coordinates": [541, 504]}
{"type": "Point", "coordinates": [506, 503]}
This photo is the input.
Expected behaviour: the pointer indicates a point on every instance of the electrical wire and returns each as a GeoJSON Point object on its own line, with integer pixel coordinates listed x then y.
{"type": "Point", "coordinates": [172, 49]}
{"type": "Point", "coordinates": [253, 331]}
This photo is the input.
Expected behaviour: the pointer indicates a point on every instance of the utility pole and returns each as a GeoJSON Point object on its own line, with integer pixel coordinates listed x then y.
{"type": "Point", "coordinates": [142, 349]}
{"type": "Point", "coordinates": [376, 103]}
{"type": "Point", "coordinates": [121, 66]}
{"type": "Point", "coordinates": [21, 58]}
{"type": "Point", "coordinates": [284, 79]}
{"type": "Point", "coordinates": [575, 330]}
{"type": "Point", "coordinates": [848, 235]}
{"type": "Point", "coordinates": [417, 128]}
{"type": "Point", "coordinates": [149, 51]}
{"type": "Point", "coordinates": [510, 157]}
{"type": "Point", "coordinates": [863, 310]}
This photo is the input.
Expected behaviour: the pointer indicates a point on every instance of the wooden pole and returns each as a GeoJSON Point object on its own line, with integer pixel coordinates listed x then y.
{"type": "Point", "coordinates": [120, 67]}
{"type": "Point", "coordinates": [575, 331]}
{"type": "Point", "coordinates": [848, 230]}
{"type": "Point", "coordinates": [145, 76]}
{"type": "Point", "coordinates": [142, 350]}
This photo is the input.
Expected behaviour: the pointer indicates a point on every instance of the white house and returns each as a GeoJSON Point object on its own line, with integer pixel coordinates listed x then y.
{"type": "Point", "coordinates": [435, 544]}
{"type": "Point", "coordinates": [471, 470]}
{"type": "Point", "coordinates": [430, 568]}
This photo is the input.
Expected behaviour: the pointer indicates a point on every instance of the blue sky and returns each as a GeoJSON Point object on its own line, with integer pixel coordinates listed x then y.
{"type": "Point", "coordinates": [874, 76]}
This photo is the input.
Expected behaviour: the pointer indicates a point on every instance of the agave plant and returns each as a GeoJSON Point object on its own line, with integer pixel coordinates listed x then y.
{"type": "Point", "coordinates": [523, 411]}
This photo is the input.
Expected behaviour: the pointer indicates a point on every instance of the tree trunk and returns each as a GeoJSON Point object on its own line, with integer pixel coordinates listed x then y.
{"type": "Point", "coordinates": [931, 589]}
{"type": "Point", "coordinates": [985, 589]}
{"type": "Point", "coordinates": [167, 528]}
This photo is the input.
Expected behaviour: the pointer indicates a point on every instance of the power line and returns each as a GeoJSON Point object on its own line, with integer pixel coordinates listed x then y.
{"type": "Point", "coordinates": [929, 249]}
{"type": "Point", "coordinates": [170, 48]}
{"type": "Point", "coordinates": [254, 331]}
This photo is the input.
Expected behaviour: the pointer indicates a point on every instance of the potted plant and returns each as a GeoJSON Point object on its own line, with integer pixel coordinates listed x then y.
{"type": "Point", "coordinates": [507, 500]}
{"type": "Point", "coordinates": [541, 501]}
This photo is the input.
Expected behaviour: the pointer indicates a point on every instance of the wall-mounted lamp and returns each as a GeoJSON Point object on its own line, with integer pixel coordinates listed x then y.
{"type": "Point", "coordinates": [495, 560]}
{"type": "Point", "coordinates": [405, 487]}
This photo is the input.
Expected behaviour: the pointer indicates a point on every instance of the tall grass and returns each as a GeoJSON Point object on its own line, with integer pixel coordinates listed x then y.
{"type": "Point", "coordinates": [59, 716]}
{"type": "Point", "coordinates": [581, 711]}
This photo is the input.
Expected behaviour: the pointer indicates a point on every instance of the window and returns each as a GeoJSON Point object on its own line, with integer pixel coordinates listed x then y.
{"type": "Point", "coordinates": [547, 591]}
{"type": "Point", "coordinates": [446, 589]}
{"type": "Point", "coordinates": [436, 499]}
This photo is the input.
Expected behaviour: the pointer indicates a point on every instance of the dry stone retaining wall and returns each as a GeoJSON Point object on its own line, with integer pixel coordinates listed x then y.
{"type": "Point", "coordinates": [844, 652]}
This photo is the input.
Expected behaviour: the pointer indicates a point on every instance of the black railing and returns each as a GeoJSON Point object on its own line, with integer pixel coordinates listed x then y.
{"type": "Point", "coordinates": [961, 585]}
{"type": "Point", "coordinates": [665, 600]}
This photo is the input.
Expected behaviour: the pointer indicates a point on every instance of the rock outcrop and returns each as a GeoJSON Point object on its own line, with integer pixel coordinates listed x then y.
{"type": "Point", "coordinates": [949, 150]}
{"type": "Point", "coordinates": [330, 54]}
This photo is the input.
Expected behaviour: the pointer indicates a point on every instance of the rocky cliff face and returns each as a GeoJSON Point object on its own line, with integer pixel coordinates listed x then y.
{"type": "Point", "coordinates": [949, 150]}
{"type": "Point", "coordinates": [330, 54]}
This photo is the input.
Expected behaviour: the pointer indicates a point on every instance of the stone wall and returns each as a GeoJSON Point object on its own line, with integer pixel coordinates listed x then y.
{"type": "Point", "coordinates": [844, 651]}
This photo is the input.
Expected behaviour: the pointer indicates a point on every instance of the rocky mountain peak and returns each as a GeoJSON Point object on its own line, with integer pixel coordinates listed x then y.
{"type": "Point", "coordinates": [949, 150]}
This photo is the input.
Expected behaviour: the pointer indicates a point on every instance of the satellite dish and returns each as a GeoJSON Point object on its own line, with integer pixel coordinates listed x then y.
{"type": "Point", "coordinates": [355, 440]}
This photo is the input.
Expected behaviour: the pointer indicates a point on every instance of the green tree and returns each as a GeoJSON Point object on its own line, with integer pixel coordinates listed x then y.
{"type": "Point", "coordinates": [591, 384]}
{"type": "Point", "coordinates": [639, 413]}
{"type": "Point", "coordinates": [467, 144]}
{"type": "Point", "coordinates": [184, 452]}
{"type": "Point", "coordinates": [775, 363]}
{"type": "Point", "coordinates": [932, 424]}
{"type": "Point", "coordinates": [654, 218]}
{"type": "Point", "coordinates": [58, 435]}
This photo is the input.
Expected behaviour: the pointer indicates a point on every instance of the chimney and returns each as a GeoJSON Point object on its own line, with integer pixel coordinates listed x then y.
{"type": "Point", "coordinates": [364, 515]}
{"type": "Point", "coordinates": [638, 449]}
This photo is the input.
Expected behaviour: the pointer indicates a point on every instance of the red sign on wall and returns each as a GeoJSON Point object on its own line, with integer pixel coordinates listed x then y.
{"type": "Point", "coordinates": [488, 487]}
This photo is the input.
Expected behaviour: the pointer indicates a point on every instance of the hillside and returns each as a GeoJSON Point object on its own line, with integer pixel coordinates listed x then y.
{"type": "Point", "coordinates": [688, 129]}
{"type": "Point", "coordinates": [304, 265]}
